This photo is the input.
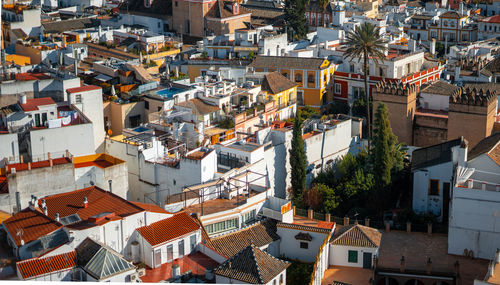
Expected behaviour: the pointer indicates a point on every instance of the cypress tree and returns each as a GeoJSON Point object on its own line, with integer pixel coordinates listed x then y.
{"type": "Point", "coordinates": [298, 161]}
{"type": "Point", "coordinates": [295, 17]}
{"type": "Point", "coordinates": [383, 142]}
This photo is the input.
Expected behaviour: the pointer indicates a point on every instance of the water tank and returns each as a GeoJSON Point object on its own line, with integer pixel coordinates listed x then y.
{"type": "Point", "coordinates": [135, 251]}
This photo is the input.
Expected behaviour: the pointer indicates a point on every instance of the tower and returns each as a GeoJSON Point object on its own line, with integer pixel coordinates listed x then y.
{"type": "Point", "coordinates": [400, 100]}
{"type": "Point", "coordinates": [472, 114]}
{"type": "Point", "coordinates": [338, 17]}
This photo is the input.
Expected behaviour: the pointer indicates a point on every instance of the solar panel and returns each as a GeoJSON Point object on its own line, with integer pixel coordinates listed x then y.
{"type": "Point", "coordinates": [71, 219]}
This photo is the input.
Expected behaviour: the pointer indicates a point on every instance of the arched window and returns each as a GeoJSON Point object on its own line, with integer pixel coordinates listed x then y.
{"type": "Point", "coordinates": [298, 77]}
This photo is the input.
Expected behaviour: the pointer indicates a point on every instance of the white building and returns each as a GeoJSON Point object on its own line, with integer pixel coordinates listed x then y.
{"type": "Point", "coordinates": [488, 28]}
{"type": "Point", "coordinates": [354, 245]}
{"type": "Point", "coordinates": [88, 99]}
{"type": "Point", "coordinates": [474, 226]}
{"type": "Point", "coordinates": [433, 170]}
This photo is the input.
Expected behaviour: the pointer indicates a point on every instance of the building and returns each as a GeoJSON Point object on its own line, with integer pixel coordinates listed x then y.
{"type": "Point", "coordinates": [312, 75]}
{"type": "Point", "coordinates": [88, 99]}
{"type": "Point", "coordinates": [354, 245]}
{"type": "Point", "coordinates": [204, 18]}
{"type": "Point", "coordinates": [403, 66]}
{"type": "Point", "coordinates": [433, 170]}
{"type": "Point", "coordinates": [283, 92]}
{"type": "Point", "coordinates": [252, 266]}
{"type": "Point", "coordinates": [444, 112]}
{"type": "Point", "coordinates": [475, 202]}
{"type": "Point", "coordinates": [452, 27]}
{"type": "Point", "coordinates": [488, 28]}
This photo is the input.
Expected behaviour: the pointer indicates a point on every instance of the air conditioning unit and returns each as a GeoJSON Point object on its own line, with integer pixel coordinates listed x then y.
{"type": "Point", "coordinates": [133, 278]}
{"type": "Point", "coordinates": [141, 272]}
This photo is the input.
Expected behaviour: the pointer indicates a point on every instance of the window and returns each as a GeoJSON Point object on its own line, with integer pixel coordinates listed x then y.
{"type": "Point", "coordinates": [351, 68]}
{"type": "Point", "coordinates": [222, 226]}
{"type": "Point", "coordinates": [176, 4]}
{"type": "Point", "coordinates": [134, 121]}
{"type": "Point", "coordinates": [159, 25]}
{"type": "Point", "coordinates": [304, 245]}
{"type": "Point", "coordinates": [250, 216]}
{"type": "Point", "coordinates": [434, 187]}
{"type": "Point", "coordinates": [298, 77]}
{"type": "Point", "coordinates": [181, 248]}
{"type": "Point", "coordinates": [310, 78]}
{"type": "Point", "coordinates": [433, 34]}
{"type": "Point", "coordinates": [170, 253]}
{"type": "Point", "coordinates": [44, 118]}
{"type": "Point", "coordinates": [281, 279]}
{"type": "Point", "coordinates": [352, 256]}
{"type": "Point", "coordinates": [37, 120]}
{"type": "Point", "coordinates": [78, 99]}
{"type": "Point", "coordinates": [358, 92]}
{"type": "Point", "coordinates": [337, 88]}
{"type": "Point", "coordinates": [192, 242]}
{"type": "Point", "coordinates": [146, 105]}
{"type": "Point", "coordinates": [159, 108]}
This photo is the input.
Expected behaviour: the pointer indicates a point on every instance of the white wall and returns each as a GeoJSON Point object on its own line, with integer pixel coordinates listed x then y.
{"type": "Point", "coordinates": [91, 105]}
{"type": "Point", "coordinates": [78, 139]}
{"type": "Point", "coordinates": [474, 222]}
{"type": "Point", "coordinates": [290, 247]}
{"type": "Point", "coordinates": [9, 148]}
{"type": "Point", "coordinates": [175, 243]}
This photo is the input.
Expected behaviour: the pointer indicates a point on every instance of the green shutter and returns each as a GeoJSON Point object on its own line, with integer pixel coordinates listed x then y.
{"type": "Point", "coordinates": [353, 256]}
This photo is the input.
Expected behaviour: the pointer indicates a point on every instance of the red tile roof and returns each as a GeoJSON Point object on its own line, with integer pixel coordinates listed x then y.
{"type": "Point", "coordinates": [99, 202]}
{"type": "Point", "coordinates": [40, 266]}
{"type": "Point", "coordinates": [168, 229]}
{"type": "Point", "coordinates": [493, 19]}
{"type": "Point", "coordinates": [31, 76]}
{"type": "Point", "coordinates": [150, 208]}
{"type": "Point", "coordinates": [33, 225]}
{"type": "Point", "coordinates": [83, 89]}
{"type": "Point", "coordinates": [38, 164]}
{"type": "Point", "coordinates": [32, 104]}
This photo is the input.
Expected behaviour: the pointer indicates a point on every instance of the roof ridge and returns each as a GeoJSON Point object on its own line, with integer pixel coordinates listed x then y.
{"type": "Point", "coordinates": [252, 250]}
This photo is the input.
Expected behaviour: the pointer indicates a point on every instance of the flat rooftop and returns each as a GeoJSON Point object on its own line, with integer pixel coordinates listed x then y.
{"type": "Point", "coordinates": [220, 205]}
{"type": "Point", "coordinates": [100, 160]}
{"type": "Point", "coordinates": [303, 221]}
{"type": "Point", "coordinates": [347, 275]}
{"type": "Point", "coordinates": [418, 247]}
{"type": "Point", "coordinates": [246, 146]}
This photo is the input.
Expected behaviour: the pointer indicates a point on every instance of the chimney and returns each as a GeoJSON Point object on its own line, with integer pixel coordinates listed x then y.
{"type": "Point", "coordinates": [29, 165]}
{"type": "Point", "coordinates": [51, 162]}
{"type": "Point", "coordinates": [402, 267]}
{"type": "Point", "coordinates": [67, 153]}
{"type": "Point", "coordinates": [412, 45]}
{"type": "Point", "coordinates": [110, 185]}
{"type": "Point", "coordinates": [85, 202]}
{"type": "Point", "coordinates": [45, 211]}
{"type": "Point", "coordinates": [433, 46]}
{"type": "Point", "coordinates": [21, 159]}
{"type": "Point", "coordinates": [44, 205]}
{"type": "Point", "coordinates": [23, 99]}
{"type": "Point", "coordinates": [429, 266]}
{"type": "Point", "coordinates": [57, 217]}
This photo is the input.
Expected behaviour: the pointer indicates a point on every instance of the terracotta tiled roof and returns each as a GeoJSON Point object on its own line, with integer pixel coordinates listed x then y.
{"type": "Point", "coordinates": [260, 234]}
{"type": "Point", "coordinates": [357, 235]}
{"type": "Point", "coordinates": [168, 229]}
{"type": "Point", "coordinates": [275, 83]}
{"type": "Point", "coordinates": [40, 266]}
{"type": "Point", "coordinates": [304, 228]}
{"type": "Point", "coordinates": [199, 107]}
{"type": "Point", "coordinates": [493, 19]}
{"type": "Point", "coordinates": [287, 62]}
{"type": "Point", "coordinates": [252, 265]}
{"type": "Point", "coordinates": [221, 10]}
{"type": "Point", "coordinates": [490, 146]}
{"type": "Point", "coordinates": [452, 15]}
{"type": "Point", "coordinates": [32, 104]}
{"type": "Point", "coordinates": [99, 202]}
{"type": "Point", "coordinates": [32, 224]}
{"type": "Point", "coordinates": [151, 208]}
{"type": "Point", "coordinates": [83, 89]}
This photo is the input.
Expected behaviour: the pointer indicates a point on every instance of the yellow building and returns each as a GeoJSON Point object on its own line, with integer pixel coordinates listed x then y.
{"type": "Point", "coordinates": [282, 91]}
{"type": "Point", "coordinates": [312, 75]}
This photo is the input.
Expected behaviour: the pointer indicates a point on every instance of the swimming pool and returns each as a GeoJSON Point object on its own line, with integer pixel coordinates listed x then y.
{"type": "Point", "coordinates": [169, 92]}
{"type": "Point", "coordinates": [140, 129]}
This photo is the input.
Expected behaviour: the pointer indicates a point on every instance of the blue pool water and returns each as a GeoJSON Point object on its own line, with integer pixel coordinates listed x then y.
{"type": "Point", "coordinates": [140, 129]}
{"type": "Point", "coordinates": [169, 92]}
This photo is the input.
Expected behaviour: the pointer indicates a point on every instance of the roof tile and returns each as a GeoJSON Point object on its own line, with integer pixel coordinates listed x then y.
{"type": "Point", "coordinates": [31, 225]}
{"type": "Point", "coordinates": [34, 267]}
{"type": "Point", "coordinates": [357, 235]}
{"type": "Point", "coordinates": [168, 229]}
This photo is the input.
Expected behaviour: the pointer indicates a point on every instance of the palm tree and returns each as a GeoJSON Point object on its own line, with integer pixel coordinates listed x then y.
{"type": "Point", "coordinates": [364, 43]}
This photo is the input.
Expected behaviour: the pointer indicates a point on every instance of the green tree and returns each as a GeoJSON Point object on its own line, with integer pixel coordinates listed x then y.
{"type": "Point", "coordinates": [364, 43]}
{"type": "Point", "coordinates": [298, 161]}
{"type": "Point", "coordinates": [295, 13]}
{"type": "Point", "coordinates": [383, 143]}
